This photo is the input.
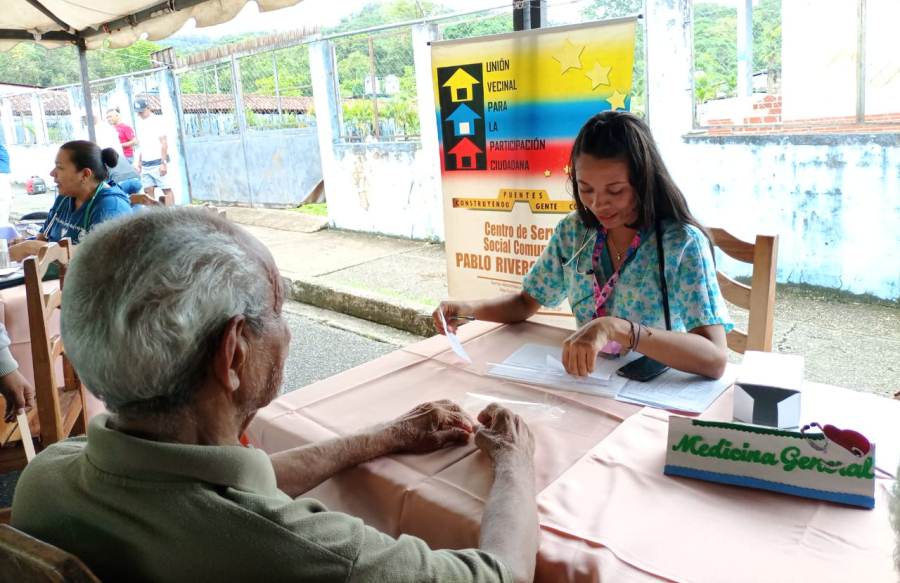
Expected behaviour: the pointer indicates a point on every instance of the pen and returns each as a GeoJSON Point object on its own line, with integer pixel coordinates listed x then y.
{"type": "Point", "coordinates": [469, 318]}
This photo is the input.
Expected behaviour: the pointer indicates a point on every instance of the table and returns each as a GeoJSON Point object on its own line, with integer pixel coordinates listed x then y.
{"type": "Point", "coordinates": [10, 279]}
{"type": "Point", "coordinates": [605, 507]}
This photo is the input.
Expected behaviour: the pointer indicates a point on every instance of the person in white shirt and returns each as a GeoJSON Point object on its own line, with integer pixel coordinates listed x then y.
{"type": "Point", "coordinates": [153, 155]}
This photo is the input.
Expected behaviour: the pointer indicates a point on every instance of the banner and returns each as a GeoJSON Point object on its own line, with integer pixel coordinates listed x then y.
{"type": "Point", "coordinates": [508, 110]}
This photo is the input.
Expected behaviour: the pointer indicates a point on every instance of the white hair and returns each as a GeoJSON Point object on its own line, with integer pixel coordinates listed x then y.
{"type": "Point", "coordinates": [146, 299]}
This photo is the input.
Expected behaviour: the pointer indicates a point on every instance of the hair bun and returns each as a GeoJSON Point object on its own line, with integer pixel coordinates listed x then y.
{"type": "Point", "coordinates": [110, 157]}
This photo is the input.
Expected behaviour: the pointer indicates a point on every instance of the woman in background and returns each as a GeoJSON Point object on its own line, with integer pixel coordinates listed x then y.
{"type": "Point", "coordinates": [85, 198]}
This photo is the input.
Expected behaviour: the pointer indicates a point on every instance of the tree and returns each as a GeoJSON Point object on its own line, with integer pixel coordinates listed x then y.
{"type": "Point", "coordinates": [352, 72]}
{"type": "Point", "coordinates": [473, 27]}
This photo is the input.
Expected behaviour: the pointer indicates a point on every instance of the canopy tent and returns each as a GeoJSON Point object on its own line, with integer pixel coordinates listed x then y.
{"type": "Point", "coordinates": [89, 24]}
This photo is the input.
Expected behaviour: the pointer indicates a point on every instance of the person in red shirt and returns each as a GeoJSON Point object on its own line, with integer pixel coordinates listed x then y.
{"type": "Point", "coordinates": [126, 133]}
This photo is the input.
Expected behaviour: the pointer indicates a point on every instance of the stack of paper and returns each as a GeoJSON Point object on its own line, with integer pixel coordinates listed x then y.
{"type": "Point", "coordinates": [542, 365]}
{"type": "Point", "coordinates": [678, 391]}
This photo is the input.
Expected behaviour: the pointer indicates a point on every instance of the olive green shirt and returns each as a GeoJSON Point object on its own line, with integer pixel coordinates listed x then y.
{"type": "Point", "coordinates": [140, 510]}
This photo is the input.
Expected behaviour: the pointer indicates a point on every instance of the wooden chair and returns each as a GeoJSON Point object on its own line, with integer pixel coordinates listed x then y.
{"type": "Point", "coordinates": [60, 406]}
{"type": "Point", "coordinates": [20, 251]}
{"type": "Point", "coordinates": [25, 559]}
{"type": "Point", "coordinates": [759, 296]}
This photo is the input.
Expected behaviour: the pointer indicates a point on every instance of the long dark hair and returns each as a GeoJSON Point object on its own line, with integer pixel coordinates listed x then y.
{"type": "Point", "coordinates": [622, 135]}
{"type": "Point", "coordinates": [85, 154]}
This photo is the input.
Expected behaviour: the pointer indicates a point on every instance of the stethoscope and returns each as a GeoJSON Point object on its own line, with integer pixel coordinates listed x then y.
{"type": "Point", "coordinates": [585, 240]}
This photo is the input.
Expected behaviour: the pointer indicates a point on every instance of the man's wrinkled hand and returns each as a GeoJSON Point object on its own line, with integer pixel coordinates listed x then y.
{"type": "Point", "coordinates": [502, 432]}
{"type": "Point", "coordinates": [18, 393]}
{"type": "Point", "coordinates": [431, 426]}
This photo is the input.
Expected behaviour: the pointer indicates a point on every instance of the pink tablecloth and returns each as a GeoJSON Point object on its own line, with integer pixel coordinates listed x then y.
{"type": "Point", "coordinates": [606, 509]}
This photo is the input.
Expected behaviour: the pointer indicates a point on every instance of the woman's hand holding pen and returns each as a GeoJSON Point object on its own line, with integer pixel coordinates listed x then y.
{"type": "Point", "coordinates": [580, 349]}
{"type": "Point", "coordinates": [453, 312]}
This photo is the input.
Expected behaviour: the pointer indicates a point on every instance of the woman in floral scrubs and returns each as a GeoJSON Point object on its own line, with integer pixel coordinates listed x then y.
{"type": "Point", "coordinates": [604, 259]}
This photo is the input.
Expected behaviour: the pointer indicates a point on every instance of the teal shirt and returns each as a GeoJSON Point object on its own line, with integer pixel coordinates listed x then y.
{"type": "Point", "coordinates": [694, 295]}
{"type": "Point", "coordinates": [139, 510]}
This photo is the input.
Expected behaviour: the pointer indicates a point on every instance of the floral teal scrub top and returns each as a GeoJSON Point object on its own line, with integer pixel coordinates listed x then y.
{"type": "Point", "coordinates": [694, 296]}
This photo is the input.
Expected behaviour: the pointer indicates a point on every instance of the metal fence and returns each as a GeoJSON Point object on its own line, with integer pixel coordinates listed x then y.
{"type": "Point", "coordinates": [274, 92]}
{"type": "Point", "coordinates": [377, 86]}
{"type": "Point", "coordinates": [58, 114]}
{"type": "Point", "coordinates": [247, 117]}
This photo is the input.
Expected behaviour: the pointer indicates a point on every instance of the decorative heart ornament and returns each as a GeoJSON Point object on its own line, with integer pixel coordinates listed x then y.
{"type": "Point", "coordinates": [850, 440]}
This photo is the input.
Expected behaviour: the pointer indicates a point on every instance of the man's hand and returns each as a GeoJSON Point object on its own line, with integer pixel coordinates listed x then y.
{"type": "Point", "coordinates": [509, 524]}
{"type": "Point", "coordinates": [504, 433]}
{"type": "Point", "coordinates": [18, 393]}
{"type": "Point", "coordinates": [430, 426]}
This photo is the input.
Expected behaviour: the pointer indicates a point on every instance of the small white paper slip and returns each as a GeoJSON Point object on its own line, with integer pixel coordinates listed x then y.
{"type": "Point", "coordinates": [455, 344]}
{"type": "Point", "coordinates": [25, 431]}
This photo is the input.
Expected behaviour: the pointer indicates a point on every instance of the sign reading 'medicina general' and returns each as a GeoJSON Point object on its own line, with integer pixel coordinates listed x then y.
{"type": "Point", "coordinates": [770, 459]}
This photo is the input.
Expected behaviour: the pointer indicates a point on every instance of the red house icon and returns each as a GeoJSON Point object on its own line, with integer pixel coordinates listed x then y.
{"type": "Point", "coordinates": [465, 152]}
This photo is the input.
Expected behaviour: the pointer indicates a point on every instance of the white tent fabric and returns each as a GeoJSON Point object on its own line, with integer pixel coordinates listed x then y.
{"type": "Point", "coordinates": [121, 22]}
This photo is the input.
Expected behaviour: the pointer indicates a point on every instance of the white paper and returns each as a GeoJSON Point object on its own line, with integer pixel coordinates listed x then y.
{"type": "Point", "coordinates": [542, 365]}
{"type": "Point", "coordinates": [678, 391]}
{"type": "Point", "coordinates": [455, 344]}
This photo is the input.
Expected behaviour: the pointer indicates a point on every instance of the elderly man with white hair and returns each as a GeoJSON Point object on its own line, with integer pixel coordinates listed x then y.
{"type": "Point", "coordinates": [173, 318]}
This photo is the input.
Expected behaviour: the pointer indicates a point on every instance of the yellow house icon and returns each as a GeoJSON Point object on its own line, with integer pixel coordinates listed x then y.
{"type": "Point", "coordinates": [460, 84]}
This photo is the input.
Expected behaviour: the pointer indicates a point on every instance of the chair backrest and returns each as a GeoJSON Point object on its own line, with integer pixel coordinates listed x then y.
{"type": "Point", "coordinates": [25, 559]}
{"type": "Point", "coordinates": [25, 249]}
{"type": "Point", "coordinates": [60, 405]}
{"type": "Point", "coordinates": [759, 296]}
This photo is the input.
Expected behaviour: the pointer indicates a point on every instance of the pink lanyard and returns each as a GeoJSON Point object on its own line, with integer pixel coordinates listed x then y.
{"type": "Point", "coordinates": [603, 294]}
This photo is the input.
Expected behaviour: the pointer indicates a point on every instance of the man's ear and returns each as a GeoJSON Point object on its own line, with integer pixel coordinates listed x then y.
{"type": "Point", "coordinates": [231, 354]}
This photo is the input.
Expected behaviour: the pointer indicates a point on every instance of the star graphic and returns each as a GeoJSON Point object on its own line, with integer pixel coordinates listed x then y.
{"type": "Point", "coordinates": [566, 169]}
{"type": "Point", "coordinates": [599, 75]}
{"type": "Point", "coordinates": [570, 57]}
{"type": "Point", "coordinates": [617, 100]}
{"type": "Point", "coordinates": [547, 173]}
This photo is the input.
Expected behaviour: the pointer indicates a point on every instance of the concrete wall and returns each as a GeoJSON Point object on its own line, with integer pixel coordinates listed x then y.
{"type": "Point", "coordinates": [834, 200]}
{"type": "Point", "coordinates": [285, 166]}
{"type": "Point", "coordinates": [382, 187]}
{"type": "Point", "coordinates": [385, 188]}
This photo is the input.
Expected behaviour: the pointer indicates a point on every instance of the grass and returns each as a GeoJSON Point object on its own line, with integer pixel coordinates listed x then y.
{"type": "Point", "coordinates": [319, 209]}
